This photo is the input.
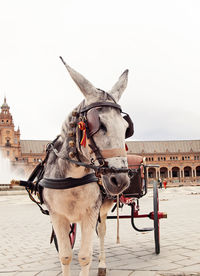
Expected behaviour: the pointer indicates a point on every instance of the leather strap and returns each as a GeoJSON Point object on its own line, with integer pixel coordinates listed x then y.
{"type": "Point", "coordinates": [67, 183]}
{"type": "Point", "coordinates": [98, 104]}
{"type": "Point", "coordinates": [109, 153]}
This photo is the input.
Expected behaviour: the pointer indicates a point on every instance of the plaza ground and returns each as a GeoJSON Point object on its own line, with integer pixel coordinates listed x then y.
{"type": "Point", "coordinates": [25, 234]}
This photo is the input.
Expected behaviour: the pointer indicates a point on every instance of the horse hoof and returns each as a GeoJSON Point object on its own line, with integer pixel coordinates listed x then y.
{"type": "Point", "coordinates": [101, 271]}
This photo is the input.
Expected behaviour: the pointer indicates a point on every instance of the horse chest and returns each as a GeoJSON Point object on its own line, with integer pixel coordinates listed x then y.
{"type": "Point", "coordinates": [74, 203]}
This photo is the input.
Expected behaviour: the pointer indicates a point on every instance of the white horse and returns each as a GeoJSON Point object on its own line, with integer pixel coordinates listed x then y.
{"type": "Point", "coordinates": [82, 204]}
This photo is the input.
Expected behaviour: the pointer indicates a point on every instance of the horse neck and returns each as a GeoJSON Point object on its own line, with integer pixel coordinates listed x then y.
{"type": "Point", "coordinates": [60, 167]}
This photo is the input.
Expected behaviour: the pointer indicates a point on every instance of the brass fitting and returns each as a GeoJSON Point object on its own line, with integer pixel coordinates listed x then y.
{"type": "Point", "coordinates": [87, 170]}
{"type": "Point", "coordinates": [14, 182]}
{"type": "Point", "coordinates": [100, 181]}
{"type": "Point", "coordinates": [71, 134]}
{"type": "Point", "coordinates": [71, 143]}
{"type": "Point", "coordinates": [72, 124]}
{"type": "Point", "coordinates": [164, 215]}
{"type": "Point", "coordinates": [72, 154]}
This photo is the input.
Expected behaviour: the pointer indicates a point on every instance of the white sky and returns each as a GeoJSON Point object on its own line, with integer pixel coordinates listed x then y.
{"type": "Point", "coordinates": [157, 40]}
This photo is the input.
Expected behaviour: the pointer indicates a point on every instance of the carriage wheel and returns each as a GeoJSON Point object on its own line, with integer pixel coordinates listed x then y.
{"type": "Point", "coordinates": [72, 236]}
{"type": "Point", "coordinates": [156, 219]}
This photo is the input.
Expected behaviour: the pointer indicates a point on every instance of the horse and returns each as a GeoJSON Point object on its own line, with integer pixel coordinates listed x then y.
{"type": "Point", "coordinates": [92, 140]}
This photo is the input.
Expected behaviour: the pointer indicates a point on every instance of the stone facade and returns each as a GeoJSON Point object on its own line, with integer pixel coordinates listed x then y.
{"type": "Point", "coordinates": [179, 161]}
{"type": "Point", "coordinates": [23, 154]}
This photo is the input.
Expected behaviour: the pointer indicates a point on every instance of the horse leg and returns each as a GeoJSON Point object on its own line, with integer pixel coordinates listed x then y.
{"type": "Point", "coordinates": [102, 257]}
{"type": "Point", "coordinates": [85, 253]}
{"type": "Point", "coordinates": [62, 228]}
{"type": "Point", "coordinates": [101, 233]}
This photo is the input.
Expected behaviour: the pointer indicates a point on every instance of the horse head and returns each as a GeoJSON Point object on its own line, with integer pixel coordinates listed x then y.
{"type": "Point", "coordinates": [101, 132]}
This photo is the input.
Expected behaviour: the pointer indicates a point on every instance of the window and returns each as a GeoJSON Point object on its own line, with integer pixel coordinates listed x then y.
{"type": "Point", "coordinates": [158, 158]}
{"type": "Point", "coordinates": [174, 174]}
{"type": "Point", "coordinates": [182, 157]}
{"type": "Point", "coordinates": [150, 175]}
{"type": "Point", "coordinates": [186, 173]}
{"type": "Point", "coordinates": [164, 158]}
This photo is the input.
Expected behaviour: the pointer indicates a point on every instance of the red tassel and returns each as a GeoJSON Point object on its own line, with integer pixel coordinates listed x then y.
{"type": "Point", "coordinates": [82, 127]}
{"type": "Point", "coordinates": [126, 147]}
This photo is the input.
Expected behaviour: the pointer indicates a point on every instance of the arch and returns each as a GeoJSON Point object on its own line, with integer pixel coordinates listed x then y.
{"type": "Point", "coordinates": [163, 172]}
{"type": "Point", "coordinates": [198, 171]}
{"type": "Point", "coordinates": [175, 172]}
{"type": "Point", "coordinates": [152, 173]}
{"type": "Point", "coordinates": [187, 171]}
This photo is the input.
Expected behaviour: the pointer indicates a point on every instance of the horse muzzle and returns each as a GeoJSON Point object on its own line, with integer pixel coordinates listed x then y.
{"type": "Point", "coordinates": [115, 184]}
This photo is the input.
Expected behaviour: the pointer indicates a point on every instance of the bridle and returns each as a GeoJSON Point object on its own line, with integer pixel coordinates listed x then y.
{"type": "Point", "coordinates": [89, 118]}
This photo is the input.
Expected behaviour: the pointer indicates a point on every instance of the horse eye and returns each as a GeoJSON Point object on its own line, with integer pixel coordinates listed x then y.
{"type": "Point", "coordinates": [103, 127]}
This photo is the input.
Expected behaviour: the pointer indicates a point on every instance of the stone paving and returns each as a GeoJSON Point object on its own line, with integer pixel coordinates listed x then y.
{"type": "Point", "coordinates": [25, 233]}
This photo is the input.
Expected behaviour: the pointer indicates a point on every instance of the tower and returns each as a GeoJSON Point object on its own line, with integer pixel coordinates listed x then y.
{"type": "Point", "coordinates": [9, 138]}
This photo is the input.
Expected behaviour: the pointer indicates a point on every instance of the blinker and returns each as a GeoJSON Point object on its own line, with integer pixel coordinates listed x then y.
{"type": "Point", "coordinates": [130, 129]}
{"type": "Point", "coordinates": [94, 123]}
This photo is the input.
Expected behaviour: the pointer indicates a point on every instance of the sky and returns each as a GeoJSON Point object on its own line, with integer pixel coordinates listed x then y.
{"type": "Point", "coordinates": [157, 40]}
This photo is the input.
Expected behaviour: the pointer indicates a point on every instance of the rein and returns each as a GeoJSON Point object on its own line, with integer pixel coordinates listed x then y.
{"type": "Point", "coordinates": [97, 169]}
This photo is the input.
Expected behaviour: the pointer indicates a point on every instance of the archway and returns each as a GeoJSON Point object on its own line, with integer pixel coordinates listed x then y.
{"type": "Point", "coordinates": [175, 172]}
{"type": "Point", "coordinates": [187, 171]}
{"type": "Point", "coordinates": [163, 172]}
{"type": "Point", "coordinates": [198, 171]}
{"type": "Point", "coordinates": [152, 173]}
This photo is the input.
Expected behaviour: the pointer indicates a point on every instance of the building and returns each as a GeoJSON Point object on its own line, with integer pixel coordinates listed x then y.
{"type": "Point", "coordinates": [23, 154]}
{"type": "Point", "coordinates": [179, 161]}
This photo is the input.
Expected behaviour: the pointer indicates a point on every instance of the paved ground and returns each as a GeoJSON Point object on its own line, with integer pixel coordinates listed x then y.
{"type": "Point", "coordinates": [25, 248]}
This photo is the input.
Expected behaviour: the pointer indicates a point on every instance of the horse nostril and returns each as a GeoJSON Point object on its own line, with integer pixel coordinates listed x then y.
{"type": "Point", "coordinates": [114, 180]}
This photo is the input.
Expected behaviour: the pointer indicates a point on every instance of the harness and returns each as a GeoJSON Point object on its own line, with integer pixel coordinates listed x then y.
{"type": "Point", "coordinates": [87, 125]}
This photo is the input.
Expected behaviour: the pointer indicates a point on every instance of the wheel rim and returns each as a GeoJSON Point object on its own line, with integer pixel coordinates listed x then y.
{"type": "Point", "coordinates": [156, 219]}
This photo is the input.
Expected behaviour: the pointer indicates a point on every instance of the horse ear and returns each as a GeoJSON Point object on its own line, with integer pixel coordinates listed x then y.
{"type": "Point", "coordinates": [119, 86]}
{"type": "Point", "coordinates": [84, 85]}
